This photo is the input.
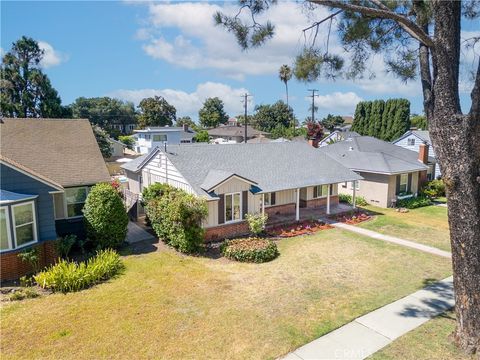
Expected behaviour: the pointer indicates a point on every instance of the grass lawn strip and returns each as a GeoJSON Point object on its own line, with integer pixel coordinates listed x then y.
{"type": "Point", "coordinates": [173, 306]}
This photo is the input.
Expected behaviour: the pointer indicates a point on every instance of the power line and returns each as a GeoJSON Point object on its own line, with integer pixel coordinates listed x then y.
{"type": "Point", "coordinates": [313, 102]}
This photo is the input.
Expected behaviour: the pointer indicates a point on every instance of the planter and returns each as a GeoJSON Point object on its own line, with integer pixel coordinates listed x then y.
{"type": "Point", "coordinates": [298, 229]}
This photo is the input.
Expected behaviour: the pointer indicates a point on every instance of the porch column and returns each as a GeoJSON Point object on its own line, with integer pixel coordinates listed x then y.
{"type": "Point", "coordinates": [263, 204]}
{"type": "Point", "coordinates": [354, 190]}
{"type": "Point", "coordinates": [297, 207]}
{"type": "Point", "coordinates": [328, 199]}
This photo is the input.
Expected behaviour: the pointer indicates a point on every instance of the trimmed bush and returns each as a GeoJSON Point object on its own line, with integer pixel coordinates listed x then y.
{"type": "Point", "coordinates": [176, 218]}
{"type": "Point", "coordinates": [359, 200]}
{"type": "Point", "coordinates": [66, 276]}
{"type": "Point", "coordinates": [434, 189]}
{"type": "Point", "coordinates": [105, 217]}
{"type": "Point", "coordinates": [256, 223]}
{"type": "Point", "coordinates": [414, 202]}
{"type": "Point", "coordinates": [250, 250]}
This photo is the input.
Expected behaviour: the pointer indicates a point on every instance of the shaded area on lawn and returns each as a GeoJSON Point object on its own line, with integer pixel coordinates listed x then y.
{"type": "Point", "coordinates": [169, 305]}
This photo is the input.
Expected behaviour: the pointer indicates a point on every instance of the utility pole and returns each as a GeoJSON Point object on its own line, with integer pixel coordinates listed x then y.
{"type": "Point", "coordinates": [313, 102]}
{"type": "Point", "coordinates": [245, 101]}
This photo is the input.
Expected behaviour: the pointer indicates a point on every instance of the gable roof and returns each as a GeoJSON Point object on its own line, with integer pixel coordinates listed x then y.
{"type": "Point", "coordinates": [215, 178]}
{"type": "Point", "coordinates": [368, 154]}
{"type": "Point", "coordinates": [423, 135]}
{"type": "Point", "coordinates": [64, 151]}
{"type": "Point", "coordinates": [272, 166]}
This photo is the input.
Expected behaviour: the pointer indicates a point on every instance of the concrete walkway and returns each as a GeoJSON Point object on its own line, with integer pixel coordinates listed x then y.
{"type": "Point", "coordinates": [136, 234]}
{"type": "Point", "coordinates": [371, 332]}
{"type": "Point", "coordinates": [391, 239]}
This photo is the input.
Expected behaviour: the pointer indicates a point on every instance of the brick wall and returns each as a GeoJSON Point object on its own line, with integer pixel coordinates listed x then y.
{"type": "Point", "coordinates": [322, 201]}
{"type": "Point", "coordinates": [11, 267]}
{"type": "Point", "coordinates": [226, 231]}
{"type": "Point", "coordinates": [281, 209]}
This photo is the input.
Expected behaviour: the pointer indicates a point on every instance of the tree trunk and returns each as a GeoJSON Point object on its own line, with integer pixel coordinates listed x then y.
{"type": "Point", "coordinates": [456, 139]}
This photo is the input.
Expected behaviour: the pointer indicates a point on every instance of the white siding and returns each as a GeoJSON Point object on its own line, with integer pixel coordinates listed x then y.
{"type": "Point", "coordinates": [416, 147]}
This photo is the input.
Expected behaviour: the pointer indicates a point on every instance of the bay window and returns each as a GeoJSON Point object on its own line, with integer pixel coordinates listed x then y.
{"type": "Point", "coordinates": [233, 210]}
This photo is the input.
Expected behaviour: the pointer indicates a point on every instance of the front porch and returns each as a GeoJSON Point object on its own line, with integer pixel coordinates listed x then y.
{"type": "Point", "coordinates": [307, 214]}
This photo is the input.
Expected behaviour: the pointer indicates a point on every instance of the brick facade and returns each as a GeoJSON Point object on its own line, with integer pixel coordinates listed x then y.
{"type": "Point", "coordinates": [280, 209]}
{"type": "Point", "coordinates": [12, 268]}
{"type": "Point", "coordinates": [226, 231]}
{"type": "Point", "coordinates": [321, 202]}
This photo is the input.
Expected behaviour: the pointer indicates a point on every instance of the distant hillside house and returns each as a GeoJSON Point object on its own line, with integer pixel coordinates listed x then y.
{"type": "Point", "coordinates": [47, 167]}
{"type": "Point", "coordinates": [117, 147]}
{"type": "Point", "coordinates": [389, 172]}
{"type": "Point", "coordinates": [286, 180]}
{"type": "Point", "coordinates": [126, 129]}
{"type": "Point", "coordinates": [151, 137]}
{"type": "Point", "coordinates": [233, 132]}
{"type": "Point", "coordinates": [412, 139]}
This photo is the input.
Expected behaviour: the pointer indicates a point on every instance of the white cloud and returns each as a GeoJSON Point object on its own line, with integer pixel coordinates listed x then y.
{"type": "Point", "coordinates": [189, 103]}
{"type": "Point", "coordinates": [337, 102]}
{"type": "Point", "coordinates": [51, 57]}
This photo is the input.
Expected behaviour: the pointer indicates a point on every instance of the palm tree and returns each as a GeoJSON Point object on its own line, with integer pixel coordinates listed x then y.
{"type": "Point", "coordinates": [285, 74]}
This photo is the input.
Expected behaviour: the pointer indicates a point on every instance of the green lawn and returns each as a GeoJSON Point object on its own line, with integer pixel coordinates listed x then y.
{"type": "Point", "coordinates": [427, 225]}
{"type": "Point", "coordinates": [167, 305]}
{"type": "Point", "coordinates": [430, 341]}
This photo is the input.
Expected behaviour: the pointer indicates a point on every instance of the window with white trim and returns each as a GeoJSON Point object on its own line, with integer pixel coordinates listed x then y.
{"type": "Point", "coordinates": [5, 237]}
{"type": "Point", "coordinates": [411, 142]}
{"type": "Point", "coordinates": [233, 207]}
{"type": "Point", "coordinates": [403, 183]}
{"type": "Point", "coordinates": [161, 137]}
{"type": "Point", "coordinates": [321, 191]}
{"type": "Point", "coordinates": [75, 199]}
{"type": "Point", "coordinates": [24, 223]}
{"type": "Point", "coordinates": [355, 184]}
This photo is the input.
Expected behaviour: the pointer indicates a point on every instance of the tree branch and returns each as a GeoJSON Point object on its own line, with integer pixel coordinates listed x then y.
{"type": "Point", "coordinates": [409, 26]}
{"type": "Point", "coordinates": [475, 95]}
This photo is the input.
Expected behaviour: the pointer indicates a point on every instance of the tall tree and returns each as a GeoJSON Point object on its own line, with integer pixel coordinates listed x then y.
{"type": "Point", "coordinates": [285, 74]}
{"type": "Point", "coordinates": [268, 117]}
{"type": "Point", "coordinates": [418, 121]}
{"type": "Point", "coordinates": [331, 122]}
{"type": "Point", "coordinates": [212, 113]}
{"type": "Point", "coordinates": [25, 90]}
{"type": "Point", "coordinates": [156, 111]}
{"type": "Point", "coordinates": [401, 30]}
{"type": "Point", "coordinates": [186, 120]}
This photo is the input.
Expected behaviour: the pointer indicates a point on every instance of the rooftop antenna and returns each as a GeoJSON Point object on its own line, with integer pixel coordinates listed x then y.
{"type": "Point", "coordinates": [245, 101]}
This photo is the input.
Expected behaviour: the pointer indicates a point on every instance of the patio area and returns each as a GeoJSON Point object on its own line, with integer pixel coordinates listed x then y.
{"type": "Point", "coordinates": [308, 214]}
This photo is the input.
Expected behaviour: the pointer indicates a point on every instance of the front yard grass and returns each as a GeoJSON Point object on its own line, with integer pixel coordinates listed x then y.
{"type": "Point", "coordinates": [430, 341]}
{"type": "Point", "coordinates": [427, 225]}
{"type": "Point", "coordinates": [168, 305]}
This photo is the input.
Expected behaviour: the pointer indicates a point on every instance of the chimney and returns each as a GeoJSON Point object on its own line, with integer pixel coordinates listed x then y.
{"type": "Point", "coordinates": [423, 153]}
{"type": "Point", "coordinates": [313, 142]}
{"type": "Point", "coordinates": [185, 127]}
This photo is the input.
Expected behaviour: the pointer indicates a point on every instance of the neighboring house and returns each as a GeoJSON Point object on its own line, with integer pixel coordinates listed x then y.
{"type": "Point", "coordinates": [126, 129]}
{"type": "Point", "coordinates": [412, 139]}
{"type": "Point", "coordinates": [389, 172]}
{"type": "Point", "coordinates": [46, 169]}
{"type": "Point", "coordinates": [117, 147]}
{"type": "Point", "coordinates": [337, 136]}
{"type": "Point", "coordinates": [280, 179]}
{"type": "Point", "coordinates": [232, 132]}
{"type": "Point", "coordinates": [151, 137]}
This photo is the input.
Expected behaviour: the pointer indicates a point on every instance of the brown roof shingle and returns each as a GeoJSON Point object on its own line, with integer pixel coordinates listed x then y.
{"type": "Point", "coordinates": [63, 150]}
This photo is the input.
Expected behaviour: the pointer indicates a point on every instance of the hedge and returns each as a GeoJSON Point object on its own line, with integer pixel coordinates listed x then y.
{"type": "Point", "coordinates": [359, 200]}
{"type": "Point", "coordinates": [250, 250]}
{"type": "Point", "coordinates": [414, 202]}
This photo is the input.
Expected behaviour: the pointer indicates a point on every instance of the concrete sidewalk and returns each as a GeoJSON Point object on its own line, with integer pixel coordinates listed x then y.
{"type": "Point", "coordinates": [391, 239]}
{"type": "Point", "coordinates": [371, 332]}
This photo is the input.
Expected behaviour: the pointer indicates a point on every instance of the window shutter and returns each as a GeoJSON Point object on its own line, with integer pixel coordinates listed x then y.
{"type": "Point", "coordinates": [397, 185]}
{"type": "Point", "coordinates": [221, 209]}
{"type": "Point", "coordinates": [315, 192]}
{"type": "Point", "coordinates": [244, 204]}
{"type": "Point", "coordinates": [409, 184]}
{"type": "Point", "coordinates": [331, 189]}
{"type": "Point", "coordinates": [272, 198]}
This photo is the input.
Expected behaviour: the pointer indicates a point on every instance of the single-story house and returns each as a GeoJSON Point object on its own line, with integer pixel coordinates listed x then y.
{"type": "Point", "coordinates": [389, 172]}
{"type": "Point", "coordinates": [151, 137]}
{"type": "Point", "coordinates": [336, 136]}
{"type": "Point", "coordinates": [278, 178]}
{"type": "Point", "coordinates": [46, 169]}
{"type": "Point", "coordinates": [233, 132]}
{"type": "Point", "coordinates": [412, 140]}
{"type": "Point", "coordinates": [117, 147]}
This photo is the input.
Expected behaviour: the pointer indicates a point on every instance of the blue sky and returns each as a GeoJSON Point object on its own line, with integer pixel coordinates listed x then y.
{"type": "Point", "coordinates": [132, 50]}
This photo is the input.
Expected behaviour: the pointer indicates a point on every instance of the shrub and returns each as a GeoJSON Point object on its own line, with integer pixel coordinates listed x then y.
{"type": "Point", "coordinates": [176, 218]}
{"type": "Point", "coordinates": [26, 293]}
{"type": "Point", "coordinates": [256, 223]}
{"type": "Point", "coordinates": [250, 250]}
{"type": "Point", "coordinates": [67, 276]}
{"type": "Point", "coordinates": [64, 245]}
{"type": "Point", "coordinates": [414, 202]}
{"type": "Point", "coordinates": [155, 191]}
{"type": "Point", "coordinates": [105, 217]}
{"type": "Point", "coordinates": [128, 140]}
{"type": "Point", "coordinates": [32, 257]}
{"type": "Point", "coordinates": [359, 200]}
{"type": "Point", "coordinates": [434, 188]}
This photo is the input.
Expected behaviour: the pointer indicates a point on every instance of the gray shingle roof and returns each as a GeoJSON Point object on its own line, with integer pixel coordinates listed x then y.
{"type": "Point", "coordinates": [365, 153]}
{"type": "Point", "coordinates": [134, 164]}
{"type": "Point", "coordinates": [273, 166]}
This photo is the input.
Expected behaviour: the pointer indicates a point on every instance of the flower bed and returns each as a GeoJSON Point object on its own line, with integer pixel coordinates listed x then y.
{"type": "Point", "coordinates": [250, 250]}
{"type": "Point", "coordinates": [352, 218]}
{"type": "Point", "coordinates": [299, 228]}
